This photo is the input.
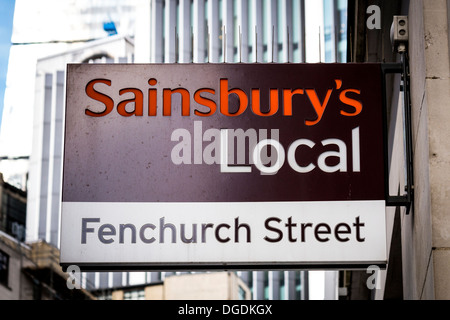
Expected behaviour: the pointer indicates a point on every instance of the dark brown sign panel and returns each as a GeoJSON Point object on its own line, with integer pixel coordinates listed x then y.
{"type": "Point", "coordinates": [155, 133]}
{"type": "Point", "coordinates": [186, 166]}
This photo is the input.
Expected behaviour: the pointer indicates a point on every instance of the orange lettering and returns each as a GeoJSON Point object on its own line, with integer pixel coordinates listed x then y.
{"type": "Point", "coordinates": [351, 102]}
{"type": "Point", "coordinates": [256, 107]}
{"type": "Point", "coordinates": [224, 94]}
{"type": "Point", "coordinates": [138, 103]}
{"type": "Point", "coordinates": [288, 93]}
{"type": "Point", "coordinates": [103, 98]}
{"type": "Point", "coordinates": [185, 101]}
{"type": "Point", "coordinates": [152, 98]}
{"type": "Point", "coordinates": [205, 102]}
{"type": "Point", "coordinates": [318, 107]}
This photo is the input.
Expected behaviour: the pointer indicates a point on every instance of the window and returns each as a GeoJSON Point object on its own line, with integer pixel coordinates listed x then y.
{"type": "Point", "coordinates": [4, 268]}
{"type": "Point", "coordinates": [282, 282]}
{"type": "Point", "coordinates": [250, 281]}
{"type": "Point", "coordinates": [105, 295]}
{"type": "Point", "coordinates": [241, 293]}
{"type": "Point", "coordinates": [134, 295]}
{"type": "Point", "coordinates": [298, 285]}
{"type": "Point", "coordinates": [266, 285]}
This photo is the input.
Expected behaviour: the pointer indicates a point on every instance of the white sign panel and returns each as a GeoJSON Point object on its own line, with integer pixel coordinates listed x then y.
{"type": "Point", "coordinates": [227, 235]}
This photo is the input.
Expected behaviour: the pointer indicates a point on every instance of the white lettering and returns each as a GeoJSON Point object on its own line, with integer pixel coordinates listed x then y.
{"type": "Point", "coordinates": [231, 156]}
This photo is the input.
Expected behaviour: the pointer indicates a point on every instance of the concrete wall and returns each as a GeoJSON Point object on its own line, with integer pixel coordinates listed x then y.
{"type": "Point", "coordinates": [437, 86]}
{"type": "Point", "coordinates": [426, 232]}
{"type": "Point", "coordinates": [154, 292]}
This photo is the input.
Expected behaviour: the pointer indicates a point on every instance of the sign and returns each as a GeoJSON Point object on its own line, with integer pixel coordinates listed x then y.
{"type": "Point", "coordinates": [184, 166]}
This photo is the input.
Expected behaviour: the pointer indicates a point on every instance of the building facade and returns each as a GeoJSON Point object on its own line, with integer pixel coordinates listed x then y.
{"type": "Point", "coordinates": [31, 271]}
{"type": "Point", "coordinates": [199, 286]}
{"type": "Point", "coordinates": [45, 167]}
{"type": "Point", "coordinates": [418, 239]}
{"type": "Point", "coordinates": [13, 208]}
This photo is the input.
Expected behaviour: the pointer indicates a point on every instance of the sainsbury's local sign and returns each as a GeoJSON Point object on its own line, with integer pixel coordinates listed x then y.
{"type": "Point", "coordinates": [188, 166]}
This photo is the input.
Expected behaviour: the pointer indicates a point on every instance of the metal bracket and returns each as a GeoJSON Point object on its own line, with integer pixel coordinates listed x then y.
{"type": "Point", "coordinates": [402, 68]}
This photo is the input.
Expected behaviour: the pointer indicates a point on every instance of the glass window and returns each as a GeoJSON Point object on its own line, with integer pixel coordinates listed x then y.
{"type": "Point", "coordinates": [3, 212]}
{"type": "Point", "coordinates": [280, 20]}
{"type": "Point", "coordinates": [241, 293]}
{"type": "Point", "coordinates": [138, 294]}
{"type": "Point", "coordinates": [296, 25]}
{"type": "Point", "coordinates": [342, 46]}
{"type": "Point", "coordinates": [282, 285]}
{"type": "Point", "coordinates": [236, 32]}
{"type": "Point", "coordinates": [250, 281]}
{"type": "Point", "coordinates": [266, 285]}
{"type": "Point", "coordinates": [105, 296]}
{"type": "Point", "coordinates": [4, 268]}
{"type": "Point", "coordinates": [221, 31]}
{"type": "Point", "coordinates": [298, 285]}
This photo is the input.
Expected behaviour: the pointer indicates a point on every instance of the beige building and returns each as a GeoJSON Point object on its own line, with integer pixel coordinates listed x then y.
{"type": "Point", "coordinates": [198, 286]}
{"type": "Point", "coordinates": [418, 239]}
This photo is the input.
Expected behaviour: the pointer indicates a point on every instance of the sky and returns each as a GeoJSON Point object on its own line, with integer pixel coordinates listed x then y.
{"type": "Point", "coordinates": [6, 21]}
